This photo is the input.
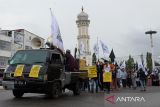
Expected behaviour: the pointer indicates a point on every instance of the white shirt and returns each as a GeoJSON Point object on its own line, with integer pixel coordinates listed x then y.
{"type": "Point", "coordinates": [107, 69]}
{"type": "Point", "coordinates": [119, 73]}
{"type": "Point", "coordinates": [123, 75]}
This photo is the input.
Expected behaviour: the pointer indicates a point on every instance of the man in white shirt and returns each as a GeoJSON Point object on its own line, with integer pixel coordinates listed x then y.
{"type": "Point", "coordinates": [118, 75]}
{"type": "Point", "coordinates": [123, 77]}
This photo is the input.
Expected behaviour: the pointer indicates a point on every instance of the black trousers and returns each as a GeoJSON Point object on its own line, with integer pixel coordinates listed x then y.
{"type": "Point", "coordinates": [118, 82]}
{"type": "Point", "coordinates": [100, 80]}
{"type": "Point", "coordinates": [124, 83]}
{"type": "Point", "coordinates": [106, 85]}
{"type": "Point", "coordinates": [129, 82]}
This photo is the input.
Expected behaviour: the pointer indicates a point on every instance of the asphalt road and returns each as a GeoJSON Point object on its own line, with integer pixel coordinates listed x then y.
{"type": "Point", "coordinates": [151, 96]}
{"type": "Point", "coordinates": [40, 100]}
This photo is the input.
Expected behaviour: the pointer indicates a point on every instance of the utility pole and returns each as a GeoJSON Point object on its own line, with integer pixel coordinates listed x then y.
{"type": "Point", "coordinates": [152, 51]}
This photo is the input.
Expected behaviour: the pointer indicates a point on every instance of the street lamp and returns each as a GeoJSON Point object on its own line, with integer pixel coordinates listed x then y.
{"type": "Point", "coordinates": [152, 51]}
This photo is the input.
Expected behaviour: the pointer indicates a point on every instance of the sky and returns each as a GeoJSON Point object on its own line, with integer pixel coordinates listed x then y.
{"type": "Point", "coordinates": [120, 24]}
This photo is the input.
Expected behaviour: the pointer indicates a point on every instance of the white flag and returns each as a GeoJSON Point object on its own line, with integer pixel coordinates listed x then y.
{"type": "Point", "coordinates": [96, 49]}
{"type": "Point", "coordinates": [81, 48]}
{"type": "Point", "coordinates": [55, 32]}
{"type": "Point", "coordinates": [104, 48]}
{"type": "Point", "coordinates": [123, 65]}
{"type": "Point", "coordinates": [141, 66]}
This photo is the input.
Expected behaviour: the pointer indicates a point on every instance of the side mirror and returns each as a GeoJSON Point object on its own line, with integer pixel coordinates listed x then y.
{"type": "Point", "coordinates": [48, 60]}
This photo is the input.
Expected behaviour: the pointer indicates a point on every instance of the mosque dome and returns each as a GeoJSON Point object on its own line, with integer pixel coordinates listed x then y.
{"type": "Point", "coordinates": [82, 15]}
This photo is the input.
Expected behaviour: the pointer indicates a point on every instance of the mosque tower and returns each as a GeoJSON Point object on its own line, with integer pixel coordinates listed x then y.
{"type": "Point", "coordinates": [83, 37]}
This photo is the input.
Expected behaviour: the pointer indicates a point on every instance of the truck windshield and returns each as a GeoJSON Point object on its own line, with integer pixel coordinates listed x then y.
{"type": "Point", "coordinates": [29, 57]}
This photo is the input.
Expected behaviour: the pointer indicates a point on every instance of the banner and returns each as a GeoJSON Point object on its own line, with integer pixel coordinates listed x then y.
{"type": "Point", "coordinates": [18, 71]}
{"type": "Point", "coordinates": [107, 77]}
{"type": "Point", "coordinates": [18, 38]}
{"type": "Point", "coordinates": [90, 70]}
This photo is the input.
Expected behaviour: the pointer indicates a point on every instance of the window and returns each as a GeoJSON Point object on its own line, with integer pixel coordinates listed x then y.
{"type": "Point", "coordinates": [3, 32]}
{"type": "Point", "coordinates": [10, 33]}
{"type": "Point", "coordinates": [5, 45]}
{"type": "Point", "coordinates": [29, 57]}
{"type": "Point", "coordinates": [56, 59]}
{"type": "Point", "coordinates": [3, 61]}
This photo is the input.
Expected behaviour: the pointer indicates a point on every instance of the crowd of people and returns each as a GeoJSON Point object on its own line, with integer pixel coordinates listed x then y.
{"type": "Point", "coordinates": [120, 78]}
{"type": "Point", "coordinates": [111, 76]}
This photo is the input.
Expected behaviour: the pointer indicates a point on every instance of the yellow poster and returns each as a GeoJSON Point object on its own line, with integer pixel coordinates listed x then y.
{"type": "Point", "coordinates": [34, 71]}
{"type": "Point", "coordinates": [107, 77]}
{"type": "Point", "coordinates": [92, 71]}
{"type": "Point", "coordinates": [82, 63]}
{"type": "Point", "coordinates": [18, 71]}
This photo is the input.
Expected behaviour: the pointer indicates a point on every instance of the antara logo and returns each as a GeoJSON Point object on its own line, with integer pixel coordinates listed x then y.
{"type": "Point", "coordinates": [125, 99]}
{"type": "Point", "coordinates": [130, 99]}
{"type": "Point", "coordinates": [110, 99]}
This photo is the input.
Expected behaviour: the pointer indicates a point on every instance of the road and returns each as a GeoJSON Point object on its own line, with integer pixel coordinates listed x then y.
{"type": "Point", "coordinates": [37, 100]}
{"type": "Point", "coordinates": [152, 98]}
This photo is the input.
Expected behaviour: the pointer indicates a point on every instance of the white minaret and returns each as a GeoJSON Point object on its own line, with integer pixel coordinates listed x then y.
{"type": "Point", "coordinates": [83, 37]}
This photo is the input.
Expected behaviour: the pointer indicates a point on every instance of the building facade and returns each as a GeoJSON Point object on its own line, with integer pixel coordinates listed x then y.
{"type": "Point", "coordinates": [83, 36]}
{"type": "Point", "coordinates": [13, 40]}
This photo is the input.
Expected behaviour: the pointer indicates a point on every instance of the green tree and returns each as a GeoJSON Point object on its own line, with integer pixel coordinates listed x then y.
{"type": "Point", "coordinates": [130, 63]}
{"type": "Point", "coordinates": [94, 58]}
{"type": "Point", "coordinates": [149, 60]}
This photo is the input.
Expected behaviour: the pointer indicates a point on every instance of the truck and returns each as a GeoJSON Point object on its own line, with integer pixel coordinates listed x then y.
{"type": "Point", "coordinates": [40, 71]}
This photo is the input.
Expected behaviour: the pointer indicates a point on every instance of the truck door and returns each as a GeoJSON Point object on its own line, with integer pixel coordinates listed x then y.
{"type": "Point", "coordinates": [56, 67]}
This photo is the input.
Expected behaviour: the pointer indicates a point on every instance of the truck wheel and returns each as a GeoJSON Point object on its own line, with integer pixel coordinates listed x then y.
{"type": "Point", "coordinates": [55, 90]}
{"type": "Point", "coordinates": [17, 93]}
{"type": "Point", "coordinates": [77, 88]}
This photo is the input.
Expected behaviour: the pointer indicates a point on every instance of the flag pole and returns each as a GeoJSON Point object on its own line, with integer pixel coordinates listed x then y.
{"type": "Point", "coordinates": [51, 31]}
{"type": "Point", "coordinates": [103, 55]}
{"type": "Point", "coordinates": [98, 48]}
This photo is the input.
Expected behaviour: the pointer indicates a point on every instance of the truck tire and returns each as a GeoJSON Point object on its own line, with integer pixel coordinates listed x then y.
{"type": "Point", "coordinates": [77, 88]}
{"type": "Point", "coordinates": [17, 93]}
{"type": "Point", "coordinates": [55, 90]}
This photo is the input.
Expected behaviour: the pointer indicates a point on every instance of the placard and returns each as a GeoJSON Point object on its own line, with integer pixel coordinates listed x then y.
{"type": "Point", "coordinates": [18, 71]}
{"type": "Point", "coordinates": [92, 71]}
{"type": "Point", "coordinates": [34, 71]}
{"type": "Point", "coordinates": [107, 77]}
